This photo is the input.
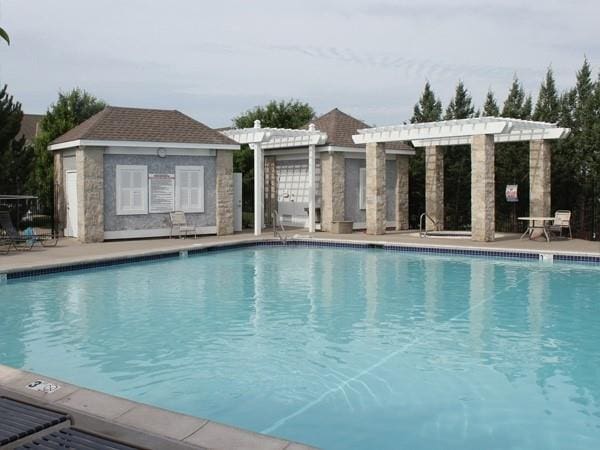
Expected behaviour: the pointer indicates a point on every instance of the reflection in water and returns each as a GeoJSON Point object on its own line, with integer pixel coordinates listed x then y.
{"type": "Point", "coordinates": [481, 290]}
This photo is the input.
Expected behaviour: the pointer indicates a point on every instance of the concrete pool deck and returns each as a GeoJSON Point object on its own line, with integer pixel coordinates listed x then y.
{"type": "Point", "coordinates": [69, 251]}
{"type": "Point", "coordinates": [133, 423]}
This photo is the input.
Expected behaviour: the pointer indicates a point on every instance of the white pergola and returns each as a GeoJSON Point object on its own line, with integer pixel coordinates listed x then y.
{"type": "Point", "coordinates": [260, 139]}
{"type": "Point", "coordinates": [481, 133]}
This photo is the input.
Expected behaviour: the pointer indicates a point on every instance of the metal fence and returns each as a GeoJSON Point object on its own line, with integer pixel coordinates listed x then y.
{"type": "Point", "coordinates": [27, 216]}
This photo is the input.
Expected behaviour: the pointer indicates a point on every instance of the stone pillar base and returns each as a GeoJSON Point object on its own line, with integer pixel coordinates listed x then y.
{"type": "Point", "coordinates": [270, 188]}
{"type": "Point", "coordinates": [376, 189]}
{"type": "Point", "coordinates": [90, 193]}
{"type": "Point", "coordinates": [483, 213]}
{"type": "Point", "coordinates": [333, 175]}
{"type": "Point", "coordinates": [402, 192]}
{"type": "Point", "coordinates": [540, 156]}
{"type": "Point", "coordinates": [224, 211]}
{"type": "Point", "coordinates": [434, 187]}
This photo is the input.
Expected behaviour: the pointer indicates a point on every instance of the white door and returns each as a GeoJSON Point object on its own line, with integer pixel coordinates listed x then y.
{"type": "Point", "coordinates": [237, 201]}
{"type": "Point", "coordinates": [71, 194]}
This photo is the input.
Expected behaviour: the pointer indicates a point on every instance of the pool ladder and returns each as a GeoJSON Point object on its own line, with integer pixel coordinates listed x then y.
{"type": "Point", "coordinates": [423, 225]}
{"type": "Point", "coordinates": [278, 232]}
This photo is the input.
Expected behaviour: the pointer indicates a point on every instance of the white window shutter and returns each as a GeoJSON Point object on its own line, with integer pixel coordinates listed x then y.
{"type": "Point", "coordinates": [189, 182]}
{"type": "Point", "coordinates": [132, 190]}
{"type": "Point", "coordinates": [362, 195]}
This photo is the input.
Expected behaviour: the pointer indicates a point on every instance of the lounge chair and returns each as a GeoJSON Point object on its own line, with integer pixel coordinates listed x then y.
{"type": "Point", "coordinates": [562, 220]}
{"type": "Point", "coordinates": [179, 223]}
{"type": "Point", "coordinates": [11, 235]}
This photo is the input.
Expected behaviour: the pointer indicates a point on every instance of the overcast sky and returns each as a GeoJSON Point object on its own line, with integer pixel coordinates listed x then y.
{"type": "Point", "coordinates": [213, 60]}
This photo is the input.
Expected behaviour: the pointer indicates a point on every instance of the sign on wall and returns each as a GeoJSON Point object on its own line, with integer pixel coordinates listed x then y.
{"type": "Point", "coordinates": [161, 187]}
{"type": "Point", "coordinates": [512, 195]}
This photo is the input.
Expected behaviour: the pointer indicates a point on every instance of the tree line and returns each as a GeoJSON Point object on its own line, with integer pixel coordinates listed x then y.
{"type": "Point", "coordinates": [28, 168]}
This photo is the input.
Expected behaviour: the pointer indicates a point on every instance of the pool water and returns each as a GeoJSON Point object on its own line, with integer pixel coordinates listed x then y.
{"type": "Point", "coordinates": [338, 348]}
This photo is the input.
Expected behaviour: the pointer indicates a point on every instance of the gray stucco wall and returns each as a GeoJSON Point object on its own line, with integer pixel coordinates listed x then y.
{"type": "Point", "coordinates": [113, 222]}
{"type": "Point", "coordinates": [351, 194]}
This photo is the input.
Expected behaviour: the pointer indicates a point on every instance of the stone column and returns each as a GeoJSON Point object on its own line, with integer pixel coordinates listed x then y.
{"type": "Point", "coordinates": [224, 192]}
{"type": "Point", "coordinates": [270, 188]}
{"type": "Point", "coordinates": [539, 178]}
{"type": "Point", "coordinates": [401, 192]}
{"type": "Point", "coordinates": [90, 193]}
{"type": "Point", "coordinates": [434, 187]}
{"type": "Point", "coordinates": [60, 207]}
{"type": "Point", "coordinates": [333, 180]}
{"type": "Point", "coordinates": [482, 188]}
{"type": "Point", "coordinates": [376, 192]}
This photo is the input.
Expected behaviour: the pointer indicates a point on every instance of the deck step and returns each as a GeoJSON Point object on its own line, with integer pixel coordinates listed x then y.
{"type": "Point", "coordinates": [18, 420]}
{"type": "Point", "coordinates": [73, 439]}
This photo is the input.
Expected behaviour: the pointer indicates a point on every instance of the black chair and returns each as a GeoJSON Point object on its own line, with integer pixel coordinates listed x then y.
{"type": "Point", "coordinates": [11, 236]}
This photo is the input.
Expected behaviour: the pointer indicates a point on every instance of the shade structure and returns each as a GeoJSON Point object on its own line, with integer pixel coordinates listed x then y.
{"type": "Point", "coordinates": [260, 139]}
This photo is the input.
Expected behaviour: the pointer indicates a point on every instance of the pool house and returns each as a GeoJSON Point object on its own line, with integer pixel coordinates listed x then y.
{"type": "Point", "coordinates": [120, 173]}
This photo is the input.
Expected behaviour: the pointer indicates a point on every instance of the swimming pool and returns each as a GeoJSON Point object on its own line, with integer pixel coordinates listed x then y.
{"type": "Point", "coordinates": [339, 348]}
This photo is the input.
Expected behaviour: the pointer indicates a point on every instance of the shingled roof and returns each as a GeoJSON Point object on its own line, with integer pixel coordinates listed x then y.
{"type": "Point", "coordinates": [340, 127]}
{"type": "Point", "coordinates": [29, 126]}
{"type": "Point", "coordinates": [144, 125]}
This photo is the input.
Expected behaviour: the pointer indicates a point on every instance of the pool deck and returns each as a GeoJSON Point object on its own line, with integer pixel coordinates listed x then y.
{"type": "Point", "coordinates": [69, 251]}
{"type": "Point", "coordinates": [133, 423]}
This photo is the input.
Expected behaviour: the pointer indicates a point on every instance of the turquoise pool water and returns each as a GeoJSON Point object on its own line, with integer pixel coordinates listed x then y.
{"type": "Point", "coordinates": [339, 348]}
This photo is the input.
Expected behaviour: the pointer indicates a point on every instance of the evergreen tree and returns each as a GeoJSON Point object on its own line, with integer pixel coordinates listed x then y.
{"type": "Point", "coordinates": [457, 165]}
{"type": "Point", "coordinates": [547, 106]}
{"type": "Point", "coordinates": [70, 110]}
{"type": "Point", "coordinates": [461, 105]}
{"type": "Point", "coordinates": [517, 105]}
{"type": "Point", "coordinates": [427, 109]}
{"type": "Point", "coordinates": [490, 107]}
{"type": "Point", "coordinates": [15, 157]}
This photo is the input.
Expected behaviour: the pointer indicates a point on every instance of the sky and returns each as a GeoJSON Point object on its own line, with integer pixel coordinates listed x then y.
{"type": "Point", "coordinates": [214, 60]}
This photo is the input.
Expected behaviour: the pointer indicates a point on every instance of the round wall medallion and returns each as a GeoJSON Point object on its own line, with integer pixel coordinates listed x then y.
{"type": "Point", "coordinates": [161, 152]}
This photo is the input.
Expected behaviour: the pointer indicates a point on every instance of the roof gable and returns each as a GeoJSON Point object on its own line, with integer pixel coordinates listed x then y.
{"type": "Point", "coordinates": [340, 127]}
{"type": "Point", "coordinates": [144, 125]}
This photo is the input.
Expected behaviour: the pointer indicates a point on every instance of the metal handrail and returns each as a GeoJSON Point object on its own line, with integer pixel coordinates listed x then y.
{"type": "Point", "coordinates": [423, 233]}
{"type": "Point", "coordinates": [281, 234]}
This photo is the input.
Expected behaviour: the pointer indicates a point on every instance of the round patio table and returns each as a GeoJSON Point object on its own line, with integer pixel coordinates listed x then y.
{"type": "Point", "coordinates": [536, 223]}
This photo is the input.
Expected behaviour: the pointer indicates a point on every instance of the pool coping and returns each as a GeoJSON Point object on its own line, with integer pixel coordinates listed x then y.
{"type": "Point", "coordinates": [548, 256]}
{"type": "Point", "coordinates": [134, 423]}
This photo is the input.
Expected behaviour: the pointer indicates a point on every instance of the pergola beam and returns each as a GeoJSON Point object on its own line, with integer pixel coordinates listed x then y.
{"type": "Point", "coordinates": [519, 135]}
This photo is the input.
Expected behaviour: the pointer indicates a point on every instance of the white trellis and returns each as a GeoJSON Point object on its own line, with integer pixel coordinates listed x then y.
{"type": "Point", "coordinates": [260, 139]}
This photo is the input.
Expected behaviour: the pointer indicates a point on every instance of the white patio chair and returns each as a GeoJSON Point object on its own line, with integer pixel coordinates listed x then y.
{"type": "Point", "coordinates": [179, 223]}
{"type": "Point", "coordinates": [562, 220]}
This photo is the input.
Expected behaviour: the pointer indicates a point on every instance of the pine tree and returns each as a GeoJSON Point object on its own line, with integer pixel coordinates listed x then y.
{"type": "Point", "coordinates": [427, 109]}
{"type": "Point", "coordinates": [517, 105]}
{"type": "Point", "coordinates": [547, 106]}
{"type": "Point", "coordinates": [15, 156]}
{"type": "Point", "coordinates": [457, 164]}
{"type": "Point", "coordinates": [461, 105]}
{"type": "Point", "coordinates": [490, 107]}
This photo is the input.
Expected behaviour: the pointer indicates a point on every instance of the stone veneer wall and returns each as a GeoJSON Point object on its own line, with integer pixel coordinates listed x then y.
{"type": "Point", "coordinates": [224, 193]}
{"type": "Point", "coordinates": [540, 155]}
{"type": "Point", "coordinates": [352, 209]}
{"type": "Point", "coordinates": [482, 188]}
{"type": "Point", "coordinates": [60, 208]}
{"type": "Point", "coordinates": [90, 193]}
{"type": "Point", "coordinates": [270, 188]}
{"type": "Point", "coordinates": [434, 187]}
{"type": "Point", "coordinates": [376, 188]}
{"type": "Point", "coordinates": [401, 192]}
{"type": "Point", "coordinates": [332, 189]}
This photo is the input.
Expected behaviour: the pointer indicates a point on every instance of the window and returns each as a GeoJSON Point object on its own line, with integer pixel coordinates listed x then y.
{"type": "Point", "coordinates": [189, 188]}
{"type": "Point", "coordinates": [362, 194]}
{"type": "Point", "coordinates": [132, 190]}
